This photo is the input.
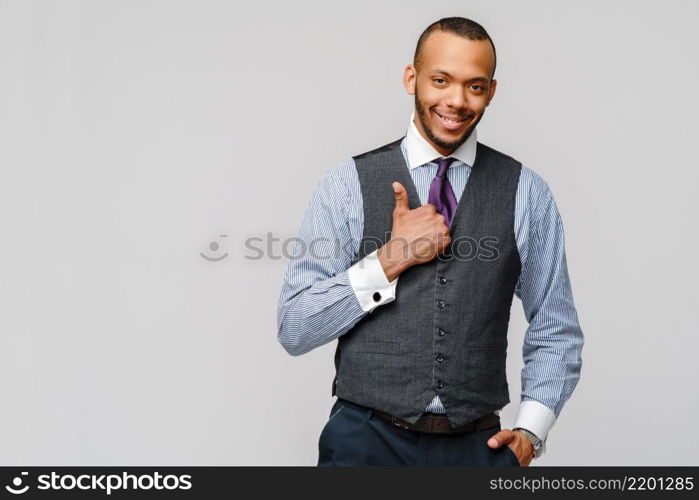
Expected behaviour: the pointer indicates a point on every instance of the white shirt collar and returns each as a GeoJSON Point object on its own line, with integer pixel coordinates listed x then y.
{"type": "Point", "coordinates": [421, 152]}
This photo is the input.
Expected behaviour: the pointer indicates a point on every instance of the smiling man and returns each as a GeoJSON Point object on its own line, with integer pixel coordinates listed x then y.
{"type": "Point", "coordinates": [438, 232]}
{"type": "Point", "coordinates": [448, 113]}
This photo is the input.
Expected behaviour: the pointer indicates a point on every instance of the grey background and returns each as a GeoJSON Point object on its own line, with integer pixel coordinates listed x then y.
{"type": "Point", "coordinates": [135, 133]}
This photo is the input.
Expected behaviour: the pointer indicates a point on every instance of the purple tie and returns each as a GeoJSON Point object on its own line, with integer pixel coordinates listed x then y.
{"type": "Point", "coordinates": [441, 193]}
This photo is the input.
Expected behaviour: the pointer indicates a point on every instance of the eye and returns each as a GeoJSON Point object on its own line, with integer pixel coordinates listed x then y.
{"type": "Point", "coordinates": [441, 79]}
{"type": "Point", "coordinates": [477, 87]}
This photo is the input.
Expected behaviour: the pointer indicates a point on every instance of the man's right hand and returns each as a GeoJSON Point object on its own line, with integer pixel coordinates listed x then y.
{"type": "Point", "coordinates": [417, 236]}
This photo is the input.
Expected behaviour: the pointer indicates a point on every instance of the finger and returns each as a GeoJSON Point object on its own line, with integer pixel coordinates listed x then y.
{"type": "Point", "coordinates": [502, 437]}
{"type": "Point", "coordinates": [401, 197]}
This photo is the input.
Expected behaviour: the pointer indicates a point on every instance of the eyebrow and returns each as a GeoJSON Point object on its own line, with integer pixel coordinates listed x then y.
{"type": "Point", "coordinates": [476, 79]}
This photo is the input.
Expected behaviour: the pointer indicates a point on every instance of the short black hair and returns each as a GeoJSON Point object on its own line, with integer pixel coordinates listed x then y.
{"type": "Point", "coordinates": [459, 26]}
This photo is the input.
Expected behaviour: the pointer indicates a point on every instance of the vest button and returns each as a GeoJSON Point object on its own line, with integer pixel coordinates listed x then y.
{"type": "Point", "coordinates": [441, 304]}
{"type": "Point", "coordinates": [442, 280]}
{"type": "Point", "coordinates": [441, 332]}
{"type": "Point", "coordinates": [440, 358]}
{"type": "Point", "coordinates": [439, 384]}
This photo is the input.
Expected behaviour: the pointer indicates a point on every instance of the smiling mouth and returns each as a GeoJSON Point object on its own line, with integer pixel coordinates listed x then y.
{"type": "Point", "coordinates": [450, 124]}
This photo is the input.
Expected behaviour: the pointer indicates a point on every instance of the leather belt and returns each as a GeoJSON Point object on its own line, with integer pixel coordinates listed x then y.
{"type": "Point", "coordinates": [434, 422]}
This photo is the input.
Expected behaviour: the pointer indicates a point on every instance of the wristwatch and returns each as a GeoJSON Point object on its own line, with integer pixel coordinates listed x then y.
{"type": "Point", "coordinates": [539, 445]}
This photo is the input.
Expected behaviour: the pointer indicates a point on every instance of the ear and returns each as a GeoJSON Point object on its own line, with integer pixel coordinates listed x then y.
{"type": "Point", "coordinates": [491, 93]}
{"type": "Point", "coordinates": [410, 79]}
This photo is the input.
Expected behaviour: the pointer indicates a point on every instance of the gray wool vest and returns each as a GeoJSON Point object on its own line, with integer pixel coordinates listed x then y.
{"type": "Point", "coordinates": [446, 331]}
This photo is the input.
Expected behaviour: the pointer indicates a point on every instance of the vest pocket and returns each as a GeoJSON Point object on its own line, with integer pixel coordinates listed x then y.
{"type": "Point", "coordinates": [485, 379]}
{"type": "Point", "coordinates": [488, 353]}
{"type": "Point", "coordinates": [379, 347]}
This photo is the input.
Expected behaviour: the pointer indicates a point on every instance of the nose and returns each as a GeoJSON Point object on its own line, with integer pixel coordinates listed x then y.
{"type": "Point", "coordinates": [456, 98]}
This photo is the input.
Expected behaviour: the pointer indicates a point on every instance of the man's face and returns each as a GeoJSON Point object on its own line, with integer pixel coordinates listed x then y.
{"type": "Point", "coordinates": [453, 83]}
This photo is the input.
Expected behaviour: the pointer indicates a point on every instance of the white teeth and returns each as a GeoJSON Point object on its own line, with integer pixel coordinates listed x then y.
{"type": "Point", "coordinates": [448, 120]}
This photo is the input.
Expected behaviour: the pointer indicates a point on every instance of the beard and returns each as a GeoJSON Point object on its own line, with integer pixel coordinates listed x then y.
{"type": "Point", "coordinates": [422, 115]}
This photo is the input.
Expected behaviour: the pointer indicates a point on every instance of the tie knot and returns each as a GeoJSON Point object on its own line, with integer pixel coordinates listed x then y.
{"type": "Point", "coordinates": [443, 166]}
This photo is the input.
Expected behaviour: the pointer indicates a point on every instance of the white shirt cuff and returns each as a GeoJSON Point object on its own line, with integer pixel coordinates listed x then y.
{"type": "Point", "coordinates": [370, 284]}
{"type": "Point", "coordinates": [536, 418]}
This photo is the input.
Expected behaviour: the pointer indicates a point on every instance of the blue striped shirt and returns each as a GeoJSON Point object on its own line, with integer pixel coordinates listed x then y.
{"type": "Point", "coordinates": [317, 303]}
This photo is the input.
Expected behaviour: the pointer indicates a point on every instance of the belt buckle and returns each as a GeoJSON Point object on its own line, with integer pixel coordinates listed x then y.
{"type": "Point", "coordinates": [394, 422]}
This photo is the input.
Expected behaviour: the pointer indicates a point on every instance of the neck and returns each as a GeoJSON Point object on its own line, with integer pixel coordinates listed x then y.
{"type": "Point", "coordinates": [421, 131]}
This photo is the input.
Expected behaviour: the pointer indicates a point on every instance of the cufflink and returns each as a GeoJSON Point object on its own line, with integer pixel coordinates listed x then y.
{"type": "Point", "coordinates": [377, 296]}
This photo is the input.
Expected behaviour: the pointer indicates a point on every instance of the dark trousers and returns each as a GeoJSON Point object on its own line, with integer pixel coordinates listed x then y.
{"type": "Point", "coordinates": [355, 436]}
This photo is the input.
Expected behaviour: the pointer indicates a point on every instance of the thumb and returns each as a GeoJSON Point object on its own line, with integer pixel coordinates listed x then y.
{"type": "Point", "coordinates": [401, 197]}
{"type": "Point", "coordinates": [502, 437]}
